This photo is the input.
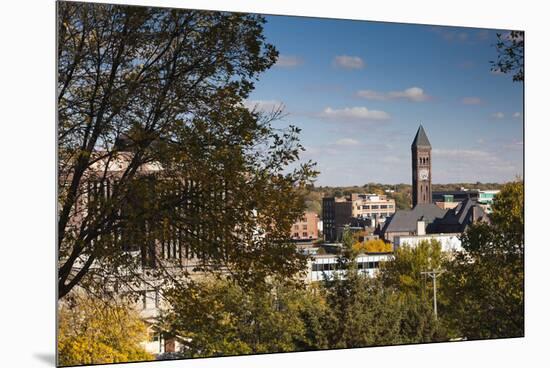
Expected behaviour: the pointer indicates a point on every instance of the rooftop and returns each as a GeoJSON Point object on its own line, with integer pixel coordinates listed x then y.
{"type": "Point", "coordinates": [421, 139]}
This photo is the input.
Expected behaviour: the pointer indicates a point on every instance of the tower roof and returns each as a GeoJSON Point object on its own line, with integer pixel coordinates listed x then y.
{"type": "Point", "coordinates": [421, 139]}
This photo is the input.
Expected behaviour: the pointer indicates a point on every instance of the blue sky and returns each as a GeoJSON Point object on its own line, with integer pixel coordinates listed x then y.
{"type": "Point", "coordinates": [359, 91]}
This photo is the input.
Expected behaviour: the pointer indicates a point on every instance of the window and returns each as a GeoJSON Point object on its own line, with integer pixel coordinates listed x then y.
{"type": "Point", "coordinates": [296, 227]}
{"type": "Point", "coordinates": [304, 234]}
{"type": "Point", "coordinates": [296, 235]}
{"type": "Point", "coordinates": [390, 205]}
{"type": "Point", "coordinates": [304, 227]}
{"type": "Point", "coordinates": [374, 206]}
{"type": "Point", "coordinates": [367, 207]}
{"type": "Point", "coordinates": [384, 206]}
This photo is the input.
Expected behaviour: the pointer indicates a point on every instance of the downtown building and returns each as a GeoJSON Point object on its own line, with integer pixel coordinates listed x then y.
{"type": "Point", "coordinates": [340, 212]}
{"type": "Point", "coordinates": [435, 215]}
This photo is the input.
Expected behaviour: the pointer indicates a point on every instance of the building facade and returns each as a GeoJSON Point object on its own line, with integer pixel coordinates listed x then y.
{"type": "Point", "coordinates": [421, 168]}
{"type": "Point", "coordinates": [305, 228]}
{"type": "Point", "coordinates": [341, 212]}
{"type": "Point", "coordinates": [372, 206]}
{"type": "Point", "coordinates": [327, 266]}
{"type": "Point", "coordinates": [449, 242]}
{"type": "Point", "coordinates": [336, 212]}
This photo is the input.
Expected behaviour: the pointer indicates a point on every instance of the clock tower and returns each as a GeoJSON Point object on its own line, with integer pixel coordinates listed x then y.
{"type": "Point", "coordinates": [421, 168]}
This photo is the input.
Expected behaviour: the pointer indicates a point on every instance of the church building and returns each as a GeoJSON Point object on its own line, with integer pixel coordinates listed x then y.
{"type": "Point", "coordinates": [425, 217]}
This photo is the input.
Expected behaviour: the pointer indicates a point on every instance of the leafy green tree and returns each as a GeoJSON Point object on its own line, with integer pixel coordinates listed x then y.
{"type": "Point", "coordinates": [485, 282]}
{"type": "Point", "coordinates": [99, 331]}
{"type": "Point", "coordinates": [360, 312]}
{"type": "Point", "coordinates": [144, 88]}
{"type": "Point", "coordinates": [404, 274]}
{"type": "Point", "coordinates": [510, 54]}
{"type": "Point", "coordinates": [402, 199]}
{"type": "Point", "coordinates": [365, 312]}
{"type": "Point", "coordinates": [218, 317]}
{"type": "Point", "coordinates": [314, 206]}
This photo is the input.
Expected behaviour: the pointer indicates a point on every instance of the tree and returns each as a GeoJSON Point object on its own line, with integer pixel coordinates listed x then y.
{"type": "Point", "coordinates": [99, 331]}
{"type": "Point", "coordinates": [218, 317]}
{"type": "Point", "coordinates": [510, 54]}
{"type": "Point", "coordinates": [370, 246]}
{"type": "Point", "coordinates": [404, 271]}
{"type": "Point", "coordinates": [156, 148]}
{"type": "Point", "coordinates": [485, 281]}
{"type": "Point", "coordinates": [360, 312]}
{"type": "Point", "coordinates": [404, 274]}
{"type": "Point", "coordinates": [367, 311]}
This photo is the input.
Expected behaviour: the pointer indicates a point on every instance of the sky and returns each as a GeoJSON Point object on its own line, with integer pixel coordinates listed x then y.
{"type": "Point", "coordinates": [359, 91]}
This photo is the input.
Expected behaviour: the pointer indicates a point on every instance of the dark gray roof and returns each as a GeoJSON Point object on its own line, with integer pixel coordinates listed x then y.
{"type": "Point", "coordinates": [437, 220]}
{"type": "Point", "coordinates": [421, 139]}
{"type": "Point", "coordinates": [406, 220]}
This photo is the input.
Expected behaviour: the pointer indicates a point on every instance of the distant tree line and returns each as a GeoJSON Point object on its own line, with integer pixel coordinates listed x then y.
{"type": "Point", "coordinates": [401, 193]}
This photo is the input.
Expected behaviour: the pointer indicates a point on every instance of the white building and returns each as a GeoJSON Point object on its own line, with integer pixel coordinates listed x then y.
{"type": "Point", "coordinates": [321, 265]}
{"type": "Point", "coordinates": [449, 242]}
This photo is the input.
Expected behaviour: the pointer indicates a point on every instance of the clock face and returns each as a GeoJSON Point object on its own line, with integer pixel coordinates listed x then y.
{"type": "Point", "coordinates": [423, 174]}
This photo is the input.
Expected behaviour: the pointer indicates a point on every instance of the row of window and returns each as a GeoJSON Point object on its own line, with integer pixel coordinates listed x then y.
{"type": "Point", "coordinates": [297, 227]}
{"type": "Point", "coordinates": [335, 266]}
{"type": "Point", "coordinates": [304, 235]}
{"type": "Point", "coordinates": [375, 206]}
{"type": "Point", "coordinates": [376, 214]}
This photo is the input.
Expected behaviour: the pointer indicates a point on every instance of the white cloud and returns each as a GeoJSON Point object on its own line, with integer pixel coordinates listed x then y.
{"type": "Point", "coordinates": [450, 35]}
{"type": "Point", "coordinates": [288, 61]}
{"type": "Point", "coordinates": [347, 142]}
{"type": "Point", "coordinates": [348, 62]}
{"type": "Point", "coordinates": [463, 154]}
{"type": "Point", "coordinates": [263, 105]}
{"type": "Point", "coordinates": [515, 145]}
{"type": "Point", "coordinates": [464, 164]}
{"type": "Point", "coordinates": [497, 115]}
{"type": "Point", "coordinates": [372, 95]}
{"type": "Point", "coordinates": [415, 94]}
{"type": "Point", "coordinates": [517, 115]}
{"type": "Point", "coordinates": [471, 101]}
{"type": "Point", "coordinates": [354, 113]}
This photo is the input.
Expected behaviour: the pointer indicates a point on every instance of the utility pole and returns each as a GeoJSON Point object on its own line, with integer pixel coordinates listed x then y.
{"type": "Point", "coordinates": [433, 274]}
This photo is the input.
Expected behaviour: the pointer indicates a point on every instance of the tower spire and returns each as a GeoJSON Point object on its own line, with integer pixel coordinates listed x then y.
{"type": "Point", "coordinates": [421, 150]}
{"type": "Point", "coordinates": [421, 139]}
